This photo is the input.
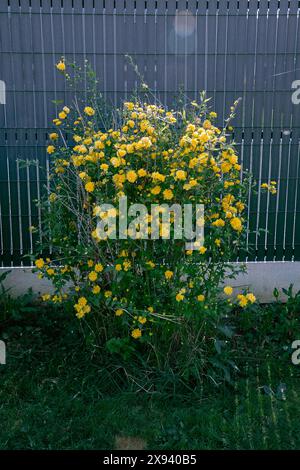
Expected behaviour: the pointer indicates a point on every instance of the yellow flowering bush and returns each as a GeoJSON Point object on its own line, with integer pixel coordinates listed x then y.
{"type": "Point", "coordinates": [142, 290]}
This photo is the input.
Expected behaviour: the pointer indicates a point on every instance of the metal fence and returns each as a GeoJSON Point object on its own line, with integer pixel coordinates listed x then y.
{"type": "Point", "coordinates": [235, 48]}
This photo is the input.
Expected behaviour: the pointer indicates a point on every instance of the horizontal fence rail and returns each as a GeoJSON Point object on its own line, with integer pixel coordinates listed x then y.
{"type": "Point", "coordinates": [232, 49]}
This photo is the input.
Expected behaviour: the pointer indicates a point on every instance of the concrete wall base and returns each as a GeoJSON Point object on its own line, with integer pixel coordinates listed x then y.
{"type": "Point", "coordinates": [261, 279]}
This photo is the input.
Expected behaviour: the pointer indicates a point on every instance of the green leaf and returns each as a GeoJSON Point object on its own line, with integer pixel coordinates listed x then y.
{"type": "Point", "coordinates": [276, 293]}
{"type": "Point", "coordinates": [226, 330]}
{"type": "Point", "coordinates": [218, 345]}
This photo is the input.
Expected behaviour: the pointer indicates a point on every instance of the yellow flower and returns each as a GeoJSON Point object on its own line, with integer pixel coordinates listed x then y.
{"type": "Point", "coordinates": [90, 263]}
{"type": "Point", "coordinates": [156, 190]}
{"type": "Point", "coordinates": [108, 293]}
{"type": "Point", "coordinates": [82, 310]}
{"type": "Point", "coordinates": [121, 153]}
{"type": "Point", "coordinates": [96, 289]}
{"type": "Point", "coordinates": [89, 187]}
{"type": "Point", "coordinates": [236, 224]}
{"type": "Point", "coordinates": [129, 148]}
{"type": "Point", "coordinates": [201, 298]}
{"type": "Point", "coordinates": [129, 105]}
{"type": "Point", "coordinates": [219, 223]}
{"type": "Point", "coordinates": [119, 312]}
{"type": "Point", "coordinates": [93, 276]}
{"type": "Point", "coordinates": [87, 309]}
{"type": "Point", "coordinates": [126, 265]}
{"type": "Point", "coordinates": [156, 176]}
{"type": "Point", "coordinates": [46, 297]}
{"type": "Point", "coordinates": [136, 333]}
{"type": "Point", "coordinates": [39, 263]}
{"type": "Point", "coordinates": [179, 297]}
{"type": "Point", "coordinates": [180, 175]}
{"type": "Point", "coordinates": [207, 124]}
{"type": "Point", "coordinates": [104, 167]}
{"type": "Point", "coordinates": [82, 175]}
{"type": "Point", "coordinates": [82, 149]}
{"type": "Point", "coordinates": [150, 264]}
{"type": "Point", "coordinates": [89, 111]}
{"type": "Point", "coordinates": [142, 320]}
{"type": "Point", "coordinates": [118, 267]}
{"type": "Point", "coordinates": [142, 172]}
{"type": "Point", "coordinates": [218, 241]}
{"type": "Point", "coordinates": [82, 301]}
{"type": "Point", "coordinates": [77, 160]}
{"type": "Point", "coordinates": [66, 109]}
{"type": "Point", "coordinates": [169, 274]}
{"type": "Point", "coordinates": [240, 206]}
{"type": "Point", "coordinates": [233, 159]}
{"type": "Point", "coordinates": [204, 137]}
{"type": "Point", "coordinates": [61, 66]}
{"type": "Point", "coordinates": [99, 145]}
{"type": "Point", "coordinates": [53, 136]}
{"type": "Point", "coordinates": [50, 271]}
{"type": "Point", "coordinates": [168, 194]}
{"type": "Point", "coordinates": [131, 176]}
{"type": "Point", "coordinates": [115, 162]}
{"type": "Point", "coordinates": [202, 250]}
{"type": "Point", "coordinates": [98, 268]}
{"type": "Point", "coordinates": [226, 167]}
{"type": "Point", "coordinates": [251, 297]}
{"type": "Point", "coordinates": [62, 115]}
{"type": "Point", "coordinates": [228, 290]}
{"type": "Point", "coordinates": [50, 149]}
{"type": "Point", "coordinates": [80, 314]}
{"type": "Point", "coordinates": [243, 301]}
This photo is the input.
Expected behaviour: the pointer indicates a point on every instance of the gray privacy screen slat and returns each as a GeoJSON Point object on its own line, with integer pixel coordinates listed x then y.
{"type": "Point", "coordinates": [247, 49]}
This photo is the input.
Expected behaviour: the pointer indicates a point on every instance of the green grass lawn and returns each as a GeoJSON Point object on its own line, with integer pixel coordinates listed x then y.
{"type": "Point", "coordinates": [55, 395]}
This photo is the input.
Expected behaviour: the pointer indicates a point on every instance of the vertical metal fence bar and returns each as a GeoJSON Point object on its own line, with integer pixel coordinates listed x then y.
{"type": "Point", "coordinates": [115, 55]}
{"type": "Point", "coordinates": [11, 243]}
{"type": "Point", "coordinates": [259, 194]}
{"type": "Point", "coordinates": [296, 204]}
{"type": "Point", "coordinates": [38, 188]}
{"type": "Point", "coordinates": [1, 237]}
{"type": "Point", "coordinates": [284, 241]}
{"type": "Point", "coordinates": [165, 55]}
{"type": "Point", "coordinates": [54, 58]}
{"type": "Point", "coordinates": [29, 202]}
{"type": "Point", "coordinates": [83, 21]}
{"type": "Point", "coordinates": [12, 19]}
{"type": "Point", "coordinates": [19, 211]}
{"type": "Point", "coordinates": [225, 13]}
{"type": "Point", "coordinates": [277, 198]}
